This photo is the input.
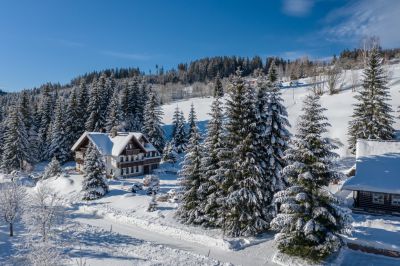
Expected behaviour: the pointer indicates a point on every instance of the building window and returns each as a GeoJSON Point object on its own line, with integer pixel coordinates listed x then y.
{"type": "Point", "coordinates": [396, 200]}
{"type": "Point", "coordinates": [137, 169]}
{"type": "Point", "coordinates": [378, 198]}
{"type": "Point", "coordinates": [122, 171]}
{"type": "Point", "coordinates": [121, 158]}
{"type": "Point", "coordinates": [132, 170]}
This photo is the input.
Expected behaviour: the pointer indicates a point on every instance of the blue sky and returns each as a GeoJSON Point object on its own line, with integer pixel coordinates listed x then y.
{"type": "Point", "coordinates": [54, 41]}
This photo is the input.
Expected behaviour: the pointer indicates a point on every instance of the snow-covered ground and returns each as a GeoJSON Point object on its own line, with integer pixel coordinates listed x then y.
{"type": "Point", "coordinates": [339, 106]}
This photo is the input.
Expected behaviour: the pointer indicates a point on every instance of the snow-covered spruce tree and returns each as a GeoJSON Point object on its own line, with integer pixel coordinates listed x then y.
{"type": "Point", "coordinates": [114, 114]}
{"type": "Point", "coordinates": [310, 219]}
{"type": "Point", "coordinates": [95, 184]}
{"type": "Point", "coordinates": [218, 89]}
{"type": "Point", "coordinates": [82, 107]}
{"type": "Point", "coordinates": [273, 129]}
{"type": "Point", "coordinates": [179, 132]}
{"type": "Point", "coordinates": [247, 192]}
{"type": "Point", "coordinates": [192, 120]}
{"type": "Point", "coordinates": [210, 192]}
{"type": "Point", "coordinates": [175, 122]}
{"type": "Point", "coordinates": [169, 153]}
{"type": "Point", "coordinates": [372, 118]}
{"type": "Point", "coordinates": [72, 128]}
{"type": "Point", "coordinates": [46, 115]}
{"type": "Point", "coordinates": [95, 121]}
{"type": "Point", "coordinates": [188, 211]}
{"type": "Point", "coordinates": [16, 148]}
{"type": "Point", "coordinates": [59, 143]}
{"type": "Point", "coordinates": [12, 199]}
{"type": "Point", "coordinates": [152, 127]}
{"type": "Point", "coordinates": [52, 169]}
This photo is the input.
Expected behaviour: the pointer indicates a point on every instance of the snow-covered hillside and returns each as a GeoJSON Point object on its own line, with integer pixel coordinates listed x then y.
{"type": "Point", "coordinates": [339, 106]}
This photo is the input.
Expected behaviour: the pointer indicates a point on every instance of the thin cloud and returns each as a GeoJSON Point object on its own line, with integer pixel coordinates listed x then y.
{"type": "Point", "coordinates": [129, 56]}
{"type": "Point", "coordinates": [67, 43]}
{"type": "Point", "coordinates": [364, 18]}
{"type": "Point", "coordinates": [298, 8]}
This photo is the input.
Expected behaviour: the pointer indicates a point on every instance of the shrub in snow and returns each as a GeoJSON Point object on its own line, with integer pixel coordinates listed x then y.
{"type": "Point", "coordinates": [52, 169]}
{"type": "Point", "coordinates": [43, 213]}
{"type": "Point", "coordinates": [136, 187]}
{"type": "Point", "coordinates": [95, 184]}
{"type": "Point", "coordinates": [153, 203]}
{"type": "Point", "coordinates": [12, 196]}
{"type": "Point", "coordinates": [44, 254]}
{"type": "Point", "coordinates": [310, 219]}
{"type": "Point", "coordinates": [151, 181]}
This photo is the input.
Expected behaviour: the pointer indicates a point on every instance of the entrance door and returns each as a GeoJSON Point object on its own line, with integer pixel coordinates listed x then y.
{"type": "Point", "coordinates": [146, 170]}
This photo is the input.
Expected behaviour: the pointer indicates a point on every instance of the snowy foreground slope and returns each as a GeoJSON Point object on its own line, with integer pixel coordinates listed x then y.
{"type": "Point", "coordinates": [339, 105]}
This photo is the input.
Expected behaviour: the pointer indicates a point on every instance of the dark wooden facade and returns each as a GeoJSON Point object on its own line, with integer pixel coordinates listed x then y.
{"type": "Point", "coordinates": [364, 200]}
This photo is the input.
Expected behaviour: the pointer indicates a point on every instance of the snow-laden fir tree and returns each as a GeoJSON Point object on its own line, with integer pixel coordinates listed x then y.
{"type": "Point", "coordinates": [192, 120]}
{"type": "Point", "coordinates": [152, 127]}
{"type": "Point", "coordinates": [46, 115]}
{"type": "Point", "coordinates": [16, 147]}
{"type": "Point", "coordinates": [175, 122]}
{"type": "Point", "coordinates": [210, 191]}
{"type": "Point", "coordinates": [247, 192]}
{"type": "Point", "coordinates": [218, 89]}
{"type": "Point", "coordinates": [52, 169]}
{"type": "Point", "coordinates": [59, 145]}
{"type": "Point", "coordinates": [189, 211]}
{"type": "Point", "coordinates": [372, 118]}
{"type": "Point", "coordinates": [179, 137]}
{"type": "Point", "coordinates": [169, 153]}
{"type": "Point", "coordinates": [114, 114]}
{"type": "Point", "coordinates": [310, 219]}
{"type": "Point", "coordinates": [95, 184]}
{"type": "Point", "coordinates": [82, 107]}
{"type": "Point", "coordinates": [273, 129]}
{"type": "Point", "coordinates": [72, 128]}
{"type": "Point", "coordinates": [95, 121]}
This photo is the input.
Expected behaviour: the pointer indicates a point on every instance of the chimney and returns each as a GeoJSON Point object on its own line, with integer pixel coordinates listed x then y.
{"type": "Point", "coordinates": [114, 132]}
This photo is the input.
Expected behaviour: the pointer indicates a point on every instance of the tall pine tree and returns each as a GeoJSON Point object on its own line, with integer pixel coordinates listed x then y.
{"type": "Point", "coordinates": [310, 220]}
{"type": "Point", "coordinates": [95, 184]}
{"type": "Point", "coordinates": [189, 211]}
{"type": "Point", "coordinates": [152, 127]}
{"type": "Point", "coordinates": [372, 118]}
{"type": "Point", "coordinates": [16, 148]}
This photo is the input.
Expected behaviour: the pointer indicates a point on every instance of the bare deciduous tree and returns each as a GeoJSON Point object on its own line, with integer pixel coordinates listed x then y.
{"type": "Point", "coordinates": [44, 213]}
{"type": "Point", "coordinates": [354, 80]}
{"type": "Point", "coordinates": [12, 196]}
{"type": "Point", "coordinates": [334, 78]}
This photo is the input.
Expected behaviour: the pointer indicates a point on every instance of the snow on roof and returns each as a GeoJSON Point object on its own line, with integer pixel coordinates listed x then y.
{"type": "Point", "coordinates": [108, 145]}
{"type": "Point", "coordinates": [377, 167]}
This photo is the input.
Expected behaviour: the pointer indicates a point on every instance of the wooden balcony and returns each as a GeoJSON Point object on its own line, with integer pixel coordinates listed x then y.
{"type": "Point", "coordinates": [132, 151]}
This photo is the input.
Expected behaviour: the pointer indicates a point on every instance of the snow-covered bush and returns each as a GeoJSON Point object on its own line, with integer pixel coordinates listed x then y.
{"type": "Point", "coordinates": [153, 203]}
{"type": "Point", "coordinates": [136, 187]}
{"type": "Point", "coordinates": [52, 169]}
{"type": "Point", "coordinates": [12, 196]}
{"type": "Point", "coordinates": [151, 181]}
{"type": "Point", "coordinates": [44, 254]}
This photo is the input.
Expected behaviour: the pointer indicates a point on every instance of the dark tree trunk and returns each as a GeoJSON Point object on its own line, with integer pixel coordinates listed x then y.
{"type": "Point", "coordinates": [11, 230]}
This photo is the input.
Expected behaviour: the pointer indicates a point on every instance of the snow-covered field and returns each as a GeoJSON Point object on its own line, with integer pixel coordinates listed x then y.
{"type": "Point", "coordinates": [117, 229]}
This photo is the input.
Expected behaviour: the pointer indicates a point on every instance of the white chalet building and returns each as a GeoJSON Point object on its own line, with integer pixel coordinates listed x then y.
{"type": "Point", "coordinates": [125, 153]}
